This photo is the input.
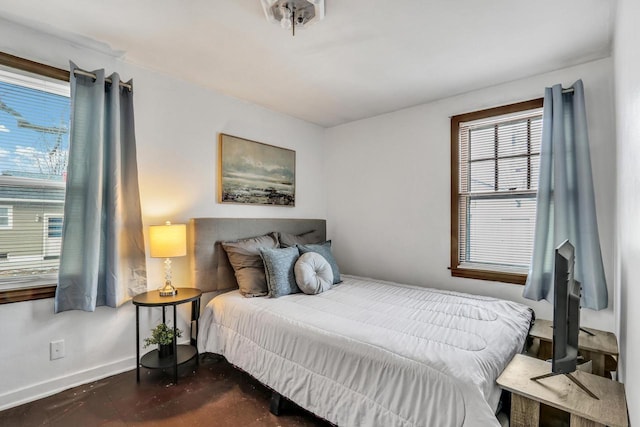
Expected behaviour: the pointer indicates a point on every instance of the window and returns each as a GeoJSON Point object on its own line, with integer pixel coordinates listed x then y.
{"type": "Point", "coordinates": [495, 166]}
{"type": "Point", "coordinates": [54, 227]}
{"type": "Point", "coordinates": [6, 217]}
{"type": "Point", "coordinates": [34, 146]}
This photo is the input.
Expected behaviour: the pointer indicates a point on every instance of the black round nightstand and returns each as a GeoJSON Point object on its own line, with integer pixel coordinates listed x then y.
{"type": "Point", "coordinates": [181, 353]}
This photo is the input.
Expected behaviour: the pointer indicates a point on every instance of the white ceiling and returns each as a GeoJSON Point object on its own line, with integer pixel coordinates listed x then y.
{"type": "Point", "coordinates": [365, 58]}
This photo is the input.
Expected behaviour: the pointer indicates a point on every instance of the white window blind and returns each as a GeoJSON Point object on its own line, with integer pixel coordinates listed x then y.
{"type": "Point", "coordinates": [499, 159]}
{"type": "Point", "coordinates": [34, 146]}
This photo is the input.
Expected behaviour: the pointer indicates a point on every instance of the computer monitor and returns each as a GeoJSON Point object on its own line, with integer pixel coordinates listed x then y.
{"type": "Point", "coordinates": [566, 316]}
{"type": "Point", "coordinates": [566, 311]}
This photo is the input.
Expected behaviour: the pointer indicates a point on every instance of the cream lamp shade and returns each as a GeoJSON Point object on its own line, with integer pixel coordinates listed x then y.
{"type": "Point", "coordinates": [168, 241]}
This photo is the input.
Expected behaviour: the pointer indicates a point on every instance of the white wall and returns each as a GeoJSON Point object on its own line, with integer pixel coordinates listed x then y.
{"type": "Point", "coordinates": [627, 75]}
{"type": "Point", "coordinates": [388, 181]}
{"type": "Point", "coordinates": [177, 126]}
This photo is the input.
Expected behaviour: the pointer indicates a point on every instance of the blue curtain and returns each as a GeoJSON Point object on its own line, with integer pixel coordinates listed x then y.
{"type": "Point", "coordinates": [102, 261]}
{"type": "Point", "coordinates": [565, 202]}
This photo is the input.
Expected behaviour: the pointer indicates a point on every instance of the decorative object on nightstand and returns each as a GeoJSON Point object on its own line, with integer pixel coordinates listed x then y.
{"type": "Point", "coordinates": [163, 336]}
{"type": "Point", "coordinates": [168, 241]}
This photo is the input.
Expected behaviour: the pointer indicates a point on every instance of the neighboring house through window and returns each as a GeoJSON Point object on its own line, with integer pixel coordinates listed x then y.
{"type": "Point", "coordinates": [34, 146]}
{"type": "Point", "coordinates": [495, 167]}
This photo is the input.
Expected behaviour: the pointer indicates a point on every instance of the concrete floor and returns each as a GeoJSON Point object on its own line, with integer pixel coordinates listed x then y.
{"type": "Point", "coordinates": [212, 393]}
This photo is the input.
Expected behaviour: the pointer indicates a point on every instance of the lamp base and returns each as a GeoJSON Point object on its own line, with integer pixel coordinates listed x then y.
{"type": "Point", "coordinates": [168, 290]}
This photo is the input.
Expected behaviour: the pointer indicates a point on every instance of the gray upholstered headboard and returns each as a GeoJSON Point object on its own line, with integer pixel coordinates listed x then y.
{"type": "Point", "coordinates": [210, 268]}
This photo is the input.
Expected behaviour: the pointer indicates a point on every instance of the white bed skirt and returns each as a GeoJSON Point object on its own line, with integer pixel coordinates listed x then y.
{"type": "Point", "coordinates": [373, 353]}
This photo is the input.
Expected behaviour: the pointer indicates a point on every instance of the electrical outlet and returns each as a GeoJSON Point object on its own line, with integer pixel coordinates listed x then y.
{"type": "Point", "coordinates": [56, 349]}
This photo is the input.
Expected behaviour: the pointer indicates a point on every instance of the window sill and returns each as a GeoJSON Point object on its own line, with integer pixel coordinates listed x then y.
{"type": "Point", "coordinates": [493, 275]}
{"type": "Point", "coordinates": [27, 294]}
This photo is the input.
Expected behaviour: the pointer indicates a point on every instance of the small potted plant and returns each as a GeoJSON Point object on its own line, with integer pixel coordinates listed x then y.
{"type": "Point", "coordinates": [162, 335]}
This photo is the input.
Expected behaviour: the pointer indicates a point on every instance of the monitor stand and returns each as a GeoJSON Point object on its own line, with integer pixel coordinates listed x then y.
{"type": "Point", "coordinates": [587, 332]}
{"type": "Point", "coordinates": [571, 377]}
{"type": "Point", "coordinates": [583, 330]}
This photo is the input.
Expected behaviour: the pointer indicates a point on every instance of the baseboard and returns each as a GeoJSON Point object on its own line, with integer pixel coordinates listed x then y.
{"type": "Point", "coordinates": [56, 385]}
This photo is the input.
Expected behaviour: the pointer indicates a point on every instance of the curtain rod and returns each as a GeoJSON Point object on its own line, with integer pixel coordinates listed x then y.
{"type": "Point", "coordinates": [107, 79]}
{"type": "Point", "coordinates": [568, 90]}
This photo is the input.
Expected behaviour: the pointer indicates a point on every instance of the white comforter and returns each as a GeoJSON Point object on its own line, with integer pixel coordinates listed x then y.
{"type": "Point", "coordinates": [373, 353]}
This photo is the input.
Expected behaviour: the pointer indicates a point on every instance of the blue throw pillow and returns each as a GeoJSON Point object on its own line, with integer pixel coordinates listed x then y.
{"type": "Point", "coordinates": [278, 267]}
{"type": "Point", "coordinates": [323, 249]}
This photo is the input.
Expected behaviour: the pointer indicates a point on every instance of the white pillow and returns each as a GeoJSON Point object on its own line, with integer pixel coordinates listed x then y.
{"type": "Point", "coordinates": [313, 273]}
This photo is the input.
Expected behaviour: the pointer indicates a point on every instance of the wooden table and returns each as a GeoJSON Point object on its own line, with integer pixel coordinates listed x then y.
{"type": "Point", "coordinates": [593, 348]}
{"type": "Point", "coordinates": [561, 393]}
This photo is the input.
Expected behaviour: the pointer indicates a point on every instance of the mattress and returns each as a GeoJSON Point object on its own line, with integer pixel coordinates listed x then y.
{"type": "Point", "coordinates": [373, 353]}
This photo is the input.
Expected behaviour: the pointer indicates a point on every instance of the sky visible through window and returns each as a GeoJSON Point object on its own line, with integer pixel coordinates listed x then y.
{"type": "Point", "coordinates": [34, 150]}
{"type": "Point", "coordinates": [34, 132]}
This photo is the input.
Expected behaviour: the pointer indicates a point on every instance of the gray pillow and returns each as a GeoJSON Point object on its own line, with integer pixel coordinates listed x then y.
{"type": "Point", "coordinates": [288, 240]}
{"type": "Point", "coordinates": [244, 257]}
{"type": "Point", "coordinates": [323, 249]}
{"type": "Point", "coordinates": [278, 266]}
{"type": "Point", "coordinates": [313, 273]}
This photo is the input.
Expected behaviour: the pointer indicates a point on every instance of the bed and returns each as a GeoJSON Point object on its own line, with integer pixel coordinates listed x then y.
{"type": "Point", "coordinates": [366, 352]}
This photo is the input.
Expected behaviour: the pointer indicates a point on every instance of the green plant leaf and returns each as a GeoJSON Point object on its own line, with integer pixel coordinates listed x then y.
{"type": "Point", "coordinates": [161, 334]}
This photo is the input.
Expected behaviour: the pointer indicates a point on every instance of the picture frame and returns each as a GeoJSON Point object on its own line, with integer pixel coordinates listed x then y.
{"type": "Point", "coordinates": [251, 172]}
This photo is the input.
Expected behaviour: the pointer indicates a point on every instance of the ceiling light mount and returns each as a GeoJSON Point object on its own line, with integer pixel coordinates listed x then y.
{"type": "Point", "coordinates": [293, 13]}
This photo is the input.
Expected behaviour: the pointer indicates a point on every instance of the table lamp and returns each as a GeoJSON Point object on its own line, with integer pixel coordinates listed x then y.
{"type": "Point", "coordinates": [168, 241]}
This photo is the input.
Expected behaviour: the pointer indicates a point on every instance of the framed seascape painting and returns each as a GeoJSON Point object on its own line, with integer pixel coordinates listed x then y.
{"type": "Point", "coordinates": [255, 173]}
